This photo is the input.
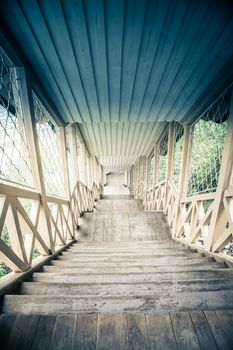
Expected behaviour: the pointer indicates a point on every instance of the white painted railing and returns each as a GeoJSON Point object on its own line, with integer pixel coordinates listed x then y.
{"type": "Point", "coordinates": [49, 224]}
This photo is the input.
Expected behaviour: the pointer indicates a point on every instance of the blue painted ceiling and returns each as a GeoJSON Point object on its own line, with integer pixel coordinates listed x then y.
{"type": "Point", "coordinates": [116, 62]}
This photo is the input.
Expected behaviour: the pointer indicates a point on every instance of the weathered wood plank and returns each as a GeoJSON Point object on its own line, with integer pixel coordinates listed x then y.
{"type": "Point", "coordinates": [22, 332]}
{"type": "Point", "coordinates": [6, 324]}
{"type": "Point", "coordinates": [85, 336]}
{"type": "Point", "coordinates": [160, 331]}
{"type": "Point", "coordinates": [63, 332]}
{"type": "Point", "coordinates": [203, 331]}
{"type": "Point", "coordinates": [216, 328]}
{"type": "Point", "coordinates": [44, 332]}
{"type": "Point", "coordinates": [184, 332]}
{"type": "Point", "coordinates": [226, 321]}
{"type": "Point", "coordinates": [112, 332]}
{"type": "Point", "coordinates": [137, 332]}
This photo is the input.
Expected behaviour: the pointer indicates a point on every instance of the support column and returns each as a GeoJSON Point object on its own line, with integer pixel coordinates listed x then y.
{"type": "Point", "coordinates": [33, 145]}
{"type": "Point", "coordinates": [185, 161]}
{"type": "Point", "coordinates": [217, 222]}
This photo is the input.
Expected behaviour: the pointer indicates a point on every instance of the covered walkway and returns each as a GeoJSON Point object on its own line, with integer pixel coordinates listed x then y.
{"type": "Point", "coordinates": [116, 174]}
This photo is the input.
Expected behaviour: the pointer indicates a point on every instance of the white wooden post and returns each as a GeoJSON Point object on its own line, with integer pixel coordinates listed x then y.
{"type": "Point", "coordinates": [185, 161]}
{"type": "Point", "coordinates": [33, 145]}
{"type": "Point", "coordinates": [217, 220]}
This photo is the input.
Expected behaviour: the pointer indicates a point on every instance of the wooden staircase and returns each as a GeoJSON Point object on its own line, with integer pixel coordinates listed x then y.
{"type": "Point", "coordinates": [126, 276]}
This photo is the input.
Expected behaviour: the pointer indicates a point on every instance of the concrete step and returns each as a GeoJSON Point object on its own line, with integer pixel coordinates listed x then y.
{"type": "Point", "coordinates": [165, 244]}
{"type": "Point", "coordinates": [123, 244]}
{"type": "Point", "coordinates": [83, 270]}
{"type": "Point", "coordinates": [138, 289]}
{"type": "Point", "coordinates": [169, 259]}
{"type": "Point", "coordinates": [118, 205]}
{"type": "Point", "coordinates": [123, 226]}
{"type": "Point", "coordinates": [184, 301]}
{"type": "Point", "coordinates": [108, 262]}
{"type": "Point", "coordinates": [133, 278]}
{"type": "Point", "coordinates": [116, 197]}
{"type": "Point", "coordinates": [126, 255]}
{"type": "Point", "coordinates": [126, 251]}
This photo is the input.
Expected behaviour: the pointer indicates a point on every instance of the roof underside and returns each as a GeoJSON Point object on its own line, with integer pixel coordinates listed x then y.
{"type": "Point", "coordinates": [120, 68]}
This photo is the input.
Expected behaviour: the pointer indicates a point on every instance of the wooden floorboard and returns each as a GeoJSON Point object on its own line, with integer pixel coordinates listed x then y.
{"type": "Point", "coordinates": [43, 335]}
{"type": "Point", "coordinates": [137, 332]}
{"type": "Point", "coordinates": [160, 331]}
{"type": "Point", "coordinates": [177, 330]}
{"type": "Point", "coordinates": [22, 332]}
{"type": "Point", "coordinates": [85, 337]}
{"type": "Point", "coordinates": [112, 332]}
{"type": "Point", "coordinates": [184, 332]}
{"type": "Point", "coordinates": [218, 332]}
{"type": "Point", "coordinates": [203, 332]}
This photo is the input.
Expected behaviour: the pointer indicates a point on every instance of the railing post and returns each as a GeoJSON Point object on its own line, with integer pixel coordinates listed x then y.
{"type": "Point", "coordinates": [170, 161]}
{"type": "Point", "coordinates": [182, 188]}
{"type": "Point", "coordinates": [217, 219]}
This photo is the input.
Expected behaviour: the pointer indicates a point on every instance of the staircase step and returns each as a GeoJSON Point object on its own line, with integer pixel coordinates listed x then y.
{"type": "Point", "coordinates": [166, 244]}
{"type": "Point", "coordinates": [138, 289]}
{"type": "Point", "coordinates": [111, 251]}
{"type": "Point", "coordinates": [41, 304]}
{"type": "Point", "coordinates": [117, 197]}
{"type": "Point", "coordinates": [159, 261]}
{"type": "Point", "coordinates": [140, 260]}
{"type": "Point", "coordinates": [134, 278]}
{"type": "Point", "coordinates": [126, 255]}
{"type": "Point", "coordinates": [82, 270]}
{"type": "Point", "coordinates": [118, 205]}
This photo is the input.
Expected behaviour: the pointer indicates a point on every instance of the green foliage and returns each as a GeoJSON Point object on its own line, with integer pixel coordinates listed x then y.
{"type": "Point", "coordinates": [27, 204]}
{"type": "Point", "coordinates": [152, 170]}
{"type": "Point", "coordinates": [177, 158]}
{"type": "Point", "coordinates": [4, 270]}
{"type": "Point", "coordinates": [206, 156]}
{"type": "Point", "coordinates": [162, 167]}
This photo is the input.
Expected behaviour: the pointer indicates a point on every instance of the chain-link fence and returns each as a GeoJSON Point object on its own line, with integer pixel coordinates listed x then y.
{"type": "Point", "coordinates": [207, 146]}
{"type": "Point", "coordinates": [162, 152]}
{"type": "Point", "coordinates": [151, 170]}
{"type": "Point", "coordinates": [50, 149]}
{"type": "Point", "coordinates": [70, 160]}
{"type": "Point", "coordinates": [15, 163]}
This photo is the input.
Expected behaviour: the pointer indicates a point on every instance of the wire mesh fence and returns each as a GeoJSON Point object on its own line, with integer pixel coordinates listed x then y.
{"type": "Point", "coordinates": [207, 146]}
{"type": "Point", "coordinates": [152, 170]}
{"type": "Point", "coordinates": [162, 152]}
{"type": "Point", "coordinates": [179, 136]}
{"type": "Point", "coordinates": [70, 159]}
{"type": "Point", "coordinates": [50, 150]}
{"type": "Point", "coordinates": [15, 165]}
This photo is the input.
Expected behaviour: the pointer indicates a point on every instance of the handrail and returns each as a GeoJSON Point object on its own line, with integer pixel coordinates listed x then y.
{"type": "Point", "coordinates": [40, 222]}
{"type": "Point", "coordinates": [190, 217]}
